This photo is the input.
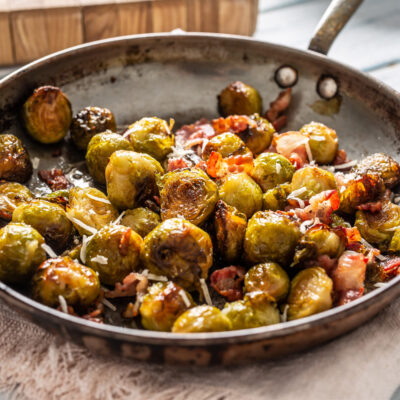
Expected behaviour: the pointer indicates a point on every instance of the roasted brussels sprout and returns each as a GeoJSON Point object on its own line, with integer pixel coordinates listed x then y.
{"type": "Point", "coordinates": [60, 197]}
{"type": "Point", "coordinates": [142, 220]}
{"type": "Point", "coordinates": [90, 121]}
{"type": "Point", "coordinates": [240, 191]}
{"type": "Point", "coordinates": [11, 196]}
{"type": "Point", "coordinates": [15, 164]}
{"type": "Point", "coordinates": [394, 246]}
{"type": "Point", "coordinates": [275, 199]}
{"type": "Point", "coordinates": [79, 285]}
{"type": "Point", "coordinates": [270, 236]}
{"type": "Point", "coordinates": [310, 293]}
{"type": "Point", "coordinates": [271, 169]}
{"type": "Point", "coordinates": [99, 151]}
{"type": "Point", "coordinates": [188, 194]}
{"type": "Point", "coordinates": [269, 278]}
{"type": "Point", "coordinates": [381, 164]}
{"type": "Point", "coordinates": [131, 178]}
{"type": "Point", "coordinates": [90, 207]}
{"type": "Point", "coordinates": [256, 309]}
{"type": "Point", "coordinates": [239, 98]}
{"type": "Point", "coordinates": [152, 136]}
{"type": "Point", "coordinates": [230, 227]}
{"type": "Point", "coordinates": [311, 181]}
{"type": "Point", "coordinates": [163, 304]}
{"type": "Point", "coordinates": [202, 319]}
{"type": "Point", "coordinates": [20, 252]}
{"type": "Point", "coordinates": [47, 114]}
{"type": "Point", "coordinates": [49, 219]}
{"type": "Point", "coordinates": [180, 250]}
{"type": "Point", "coordinates": [323, 142]}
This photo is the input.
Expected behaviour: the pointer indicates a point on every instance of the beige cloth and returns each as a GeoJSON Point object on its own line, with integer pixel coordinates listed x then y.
{"type": "Point", "coordinates": [361, 365]}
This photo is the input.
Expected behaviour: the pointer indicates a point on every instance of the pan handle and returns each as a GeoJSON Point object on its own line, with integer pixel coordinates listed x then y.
{"type": "Point", "coordinates": [332, 22]}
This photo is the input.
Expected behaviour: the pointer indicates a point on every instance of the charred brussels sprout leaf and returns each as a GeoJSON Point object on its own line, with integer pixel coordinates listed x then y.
{"type": "Point", "coordinates": [79, 285]}
{"type": "Point", "coordinates": [20, 252]}
{"type": "Point", "coordinates": [180, 250]}
{"type": "Point", "coordinates": [239, 98]}
{"type": "Point", "coordinates": [47, 114]}
{"type": "Point", "coordinates": [11, 196]}
{"type": "Point", "coordinates": [142, 220]}
{"type": "Point", "coordinates": [15, 164]}
{"type": "Point", "coordinates": [90, 121]}
{"type": "Point", "coordinates": [202, 319]}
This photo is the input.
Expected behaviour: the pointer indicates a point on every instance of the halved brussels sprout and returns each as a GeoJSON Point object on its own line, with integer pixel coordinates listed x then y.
{"type": "Point", "coordinates": [310, 293]}
{"type": "Point", "coordinates": [239, 98]}
{"type": "Point", "coordinates": [381, 164]}
{"type": "Point", "coordinates": [11, 196]}
{"type": "Point", "coordinates": [323, 142]}
{"type": "Point", "coordinates": [142, 220]}
{"type": "Point", "coordinates": [20, 252]}
{"type": "Point", "coordinates": [152, 136]}
{"type": "Point", "coordinates": [47, 114]}
{"type": "Point", "coordinates": [180, 250]}
{"type": "Point", "coordinates": [15, 164]}
{"type": "Point", "coordinates": [241, 192]}
{"type": "Point", "coordinates": [202, 319]}
{"type": "Point", "coordinates": [269, 278]}
{"type": "Point", "coordinates": [271, 236]}
{"type": "Point", "coordinates": [275, 199]}
{"type": "Point", "coordinates": [99, 151]}
{"type": "Point", "coordinates": [49, 219]}
{"type": "Point", "coordinates": [90, 121]}
{"type": "Point", "coordinates": [230, 227]}
{"type": "Point", "coordinates": [79, 285]}
{"type": "Point", "coordinates": [188, 194]}
{"type": "Point", "coordinates": [131, 178]}
{"type": "Point", "coordinates": [114, 252]}
{"type": "Point", "coordinates": [271, 169]}
{"type": "Point", "coordinates": [163, 304]}
{"type": "Point", "coordinates": [256, 309]}
{"type": "Point", "coordinates": [91, 207]}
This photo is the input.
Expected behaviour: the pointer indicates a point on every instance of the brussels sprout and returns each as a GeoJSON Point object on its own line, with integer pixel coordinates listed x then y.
{"type": "Point", "coordinates": [163, 304]}
{"type": "Point", "coordinates": [99, 151]}
{"type": "Point", "coordinates": [241, 192]}
{"type": "Point", "coordinates": [271, 169]}
{"type": "Point", "coordinates": [310, 293]}
{"type": "Point", "coordinates": [323, 142]}
{"type": "Point", "coordinates": [15, 164]}
{"type": "Point", "coordinates": [47, 114]}
{"type": "Point", "coordinates": [275, 199]}
{"type": "Point", "coordinates": [60, 197]}
{"type": "Point", "coordinates": [180, 250]}
{"type": "Point", "coordinates": [11, 196]}
{"type": "Point", "coordinates": [114, 252]}
{"type": "Point", "coordinates": [337, 221]}
{"type": "Point", "coordinates": [239, 98]}
{"type": "Point", "coordinates": [20, 252]}
{"type": "Point", "coordinates": [271, 236]}
{"type": "Point", "coordinates": [381, 164]}
{"type": "Point", "coordinates": [131, 178]}
{"type": "Point", "coordinates": [188, 194]}
{"type": "Point", "coordinates": [256, 309]}
{"type": "Point", "coordinates": [152, 136]}
{"type": "Point", "coordinates": [230, 227]}
{"type": "Point", "coordinates": [79, 285]}
{"type": "Point", "coordinates": [89, 206]}
{"type": "Point", "coordinates": [394, 246]}
{"type": "Point", "coordinates": [311, 181]}
{"type": "Point", "coordinates": [90, 121]}
{"type": "Point", "coordinates": [141, 220]}
{"type": "Point", "coordinates": [49, 219]}
{"type": "Point", "coordinates": [269, 278]}
{"type": "Point", "coordinates": [202, 319]}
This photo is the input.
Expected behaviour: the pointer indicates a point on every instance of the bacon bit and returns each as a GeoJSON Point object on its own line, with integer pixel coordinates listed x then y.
{"type": "Point", "coordinates": [278, 107]}
{"type": "Point", "coordinates": [202, 165]}
{"type": "Point", "coordinates": [280, 122]}
{"type": "Point", "coordinates": [157, 200]}
{"type": "Point", "coordinates": [391, 267]}
{"type": "Point", "coordinates": [341, 157]}
{"type": "Point", "coordinates": [131, 311]}
{"type": "Point", "coordinates": [234, 123]}
{"type": "Point", "coordinates": [200, 129]}
{"type": "Point", "coordinates": [292, 145]}
{"type": "Point", "coordinates": [124, 244]}
{"type": "Point", "coordinates": [216, 167]}
{"type": "Point", "coordinates": [131, 285]}
{"type": "Point", "coordinates": [326, 262]}
{"type": "Point", "coordinates": [228, 282]}
{"type": "Point", "coordinates": [372, 207]}
{"type": "Point", "coordinates": [96, 314]}
{"type": "Point", "coordinates": [353, 238]}
{"type": "Point", "coordinates": [296, 160]}
{"type": "Point", "coordinates": [177, 163]}
{"type": "Point", "coordinates": [54, 178]}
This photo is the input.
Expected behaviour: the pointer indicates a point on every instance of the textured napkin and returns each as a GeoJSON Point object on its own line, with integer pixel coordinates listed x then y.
{"type": "Point", "coordinates": [361, 365]}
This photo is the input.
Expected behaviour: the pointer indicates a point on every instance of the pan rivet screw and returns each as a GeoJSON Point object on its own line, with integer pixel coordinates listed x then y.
{"type": "Point", "coordinates": [327, 87]}
{"type": "Point", "coordinates": [286, 76]}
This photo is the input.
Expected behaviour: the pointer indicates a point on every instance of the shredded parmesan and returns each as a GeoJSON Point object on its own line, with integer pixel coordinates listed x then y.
{"type": "Point", "coordinates": [100, 259]}
{"type": "Point", "coordinates": [105, 201]}
{"type": "Point", "coordinates": [185, 298]}
{"type": "Point", "coordinates": [8, 201]}
{"type": "Point", "coordinates": [392, 229]}
{"type": "Point", "coordinates": [308, 151]}
{"type": "Point", "coordinates": [278, 167]}
{"type": "Point", "coordinates": [305, 225]}
{"type": "Point", "coordinates": [49, 250]}
{"type": "Point", "coordinates": [108, 304]}
{"type": "Point", "coordinates": [82, 224]}
{"type": "Point", "coordinates": [396, 199]}
{"type": "Point", "coordinates": [346, 165]}
{"type": "Point", "coordinates": [206, 293]}
{"type": "Point", "coordinates": [300, 201]}
{"type": "Point", "coordinates": [35, 162]}
{"type": "Point", "coordinates": [329, 168]}
{"type": "Point", "coordinates": [317, 138]}
{"type": "Point", "coordinates": [380, 284]}
{"type": "Point", "coordinates": [118, 220]}
{"type": "Point", "coordinates": [369, 246]}
{"type": "Point", "coordinates": [63, 304]}
{"type": "Point", "coordinates": [297, 192]}
{"type": "Point", "coordinates": [284, 314]}
{"type": "Point", "coordinates": [85, 241]}
{"type": "Point", "coordinates": [154, 277]}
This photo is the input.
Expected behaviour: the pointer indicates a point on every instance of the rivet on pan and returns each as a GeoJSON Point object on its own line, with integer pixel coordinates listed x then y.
{"type": "Point", "coordinates": [327, 87]}
{"type": "Point", "coordinates": [286, 76]}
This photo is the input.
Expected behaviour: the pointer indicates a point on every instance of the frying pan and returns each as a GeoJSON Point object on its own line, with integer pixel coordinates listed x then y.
{"type": "Point", "coordinates": [179, 75]}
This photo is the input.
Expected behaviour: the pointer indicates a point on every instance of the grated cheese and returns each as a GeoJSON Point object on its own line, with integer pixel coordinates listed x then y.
{"type": "Point", "coordinates": [278, 167]}
{"type": "Point", "coordinates": [118, 220]}
{"type": "Point", "coordinates": [297, 192]}
{"type": "Point", "coordinates": [308, 151]}
{"type": "Point", "coordinates": [82, 224]}
{"type": "Point", "coordinates": [154, 277]}
{"type": "Point", "coordinates": [108, 304]}
{"type": "Point", "coordinates": [105, 201]}
{"type": "Point", "coordinates": [329, 168]}
{"type": "Point", "coordinates": [8, 201]}
{"type": "Point", "coordinates": [206, 293]}
{"type": "Point", "coordinates": [392, 229]}
{"type": "Point", "coordinates": [85, 241]}
{"type": "Point", "coordinates": [100, 259]}
{"type": "Point", "coordinates": [380, 284]}
{"type": "Point", "coordinates": [305, 225]}
{"type": "Point", "coordinates": [35, 162]}
{"type": "Point", "coordinates": [49, 250]}
{"type": "Point", "coordinates": [317, 138]}
{"type": "Point", "coordinates": [284, 314]}
{"type": "Point", "coordinates": [396, 199]}
{"type": "Point", "coordinates": [63, 304]}
{"type": "Point", "coordinates": [346, 165]}
{"type": "Point", "coordinates": [185, 298]}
